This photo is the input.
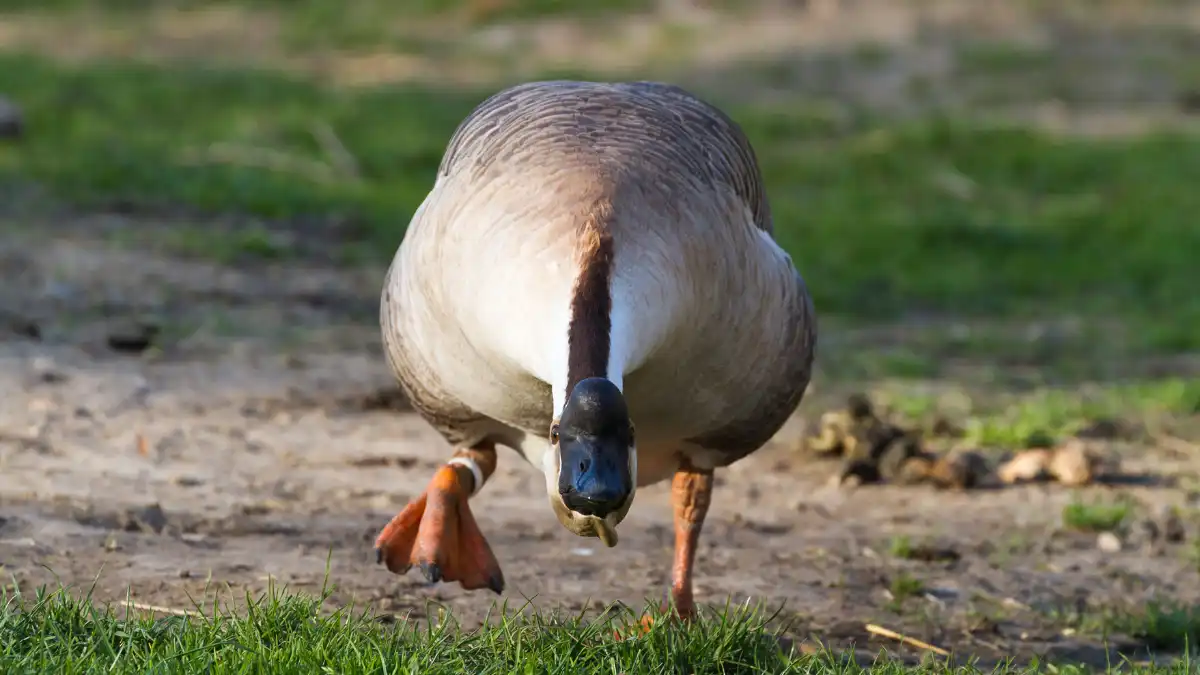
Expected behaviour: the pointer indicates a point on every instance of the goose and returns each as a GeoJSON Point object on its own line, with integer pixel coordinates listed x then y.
{"type": "Point", "coordinates": [592, 256]}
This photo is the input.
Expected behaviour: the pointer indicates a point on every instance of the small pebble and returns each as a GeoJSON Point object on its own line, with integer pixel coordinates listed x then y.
{"type": "Point", "coordinates": [1072, 463]}
{"type": "Point", "coordinates": [1028, 465]}
{"type": "Point", "coordinates": [1108, 542]}
{"type": "Point", "coordinates": [47, 371]}
{"type": "Point", "coordinates": [132, 338]}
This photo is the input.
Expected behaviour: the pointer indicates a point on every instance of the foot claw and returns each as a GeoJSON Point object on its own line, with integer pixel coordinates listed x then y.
{"type": "Point", "coordinates": [432, 572]}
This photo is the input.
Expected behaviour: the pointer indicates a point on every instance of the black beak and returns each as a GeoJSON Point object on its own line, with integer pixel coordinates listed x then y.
{"type": "Point", "coordinates": [594, 436]}
{"type": "Point", "coordinates": [594, 475]}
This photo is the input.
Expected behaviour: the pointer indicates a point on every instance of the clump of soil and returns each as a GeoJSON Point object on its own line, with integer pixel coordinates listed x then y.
{"type": "Point", "coordinates": [875, 449]}
{"type": "Point", "coordinates": [1075, 462]}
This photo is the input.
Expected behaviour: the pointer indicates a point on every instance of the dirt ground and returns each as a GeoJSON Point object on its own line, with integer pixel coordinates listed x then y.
{"type": "Point", "coordinates": [261, 443]}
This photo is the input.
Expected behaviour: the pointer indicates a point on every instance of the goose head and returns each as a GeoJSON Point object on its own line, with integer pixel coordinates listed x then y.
{"type": "Point", "coordinates": [593, 474]}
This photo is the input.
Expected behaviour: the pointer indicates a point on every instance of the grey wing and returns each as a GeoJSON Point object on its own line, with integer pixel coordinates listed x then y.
{"type": "Point", "coordinates": [717, 148]}
{"type": "Point", "coordinates": [452, 418]}
{"type": "Point", "coordinates": [486, 132]}
{"type": "Point", "coordinates": [728, 155]}
{"type": "Point", "coordinates": [730, 159]}
{"type": "Point", "coordinates": [779, 394]}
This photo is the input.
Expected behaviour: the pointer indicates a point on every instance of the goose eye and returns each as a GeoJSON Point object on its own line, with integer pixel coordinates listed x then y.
{"type": "Point", "coordinates": [554, 433]}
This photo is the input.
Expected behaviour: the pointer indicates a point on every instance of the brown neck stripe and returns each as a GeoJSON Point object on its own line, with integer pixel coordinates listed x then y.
{"type": "Point", "coordinates": [588, 336]}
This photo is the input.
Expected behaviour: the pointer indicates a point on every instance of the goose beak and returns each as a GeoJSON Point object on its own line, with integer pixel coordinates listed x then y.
{"type": "Point", "coordinates": [595, 486]}
{"type": "Point", "coordinates": [594, 477]}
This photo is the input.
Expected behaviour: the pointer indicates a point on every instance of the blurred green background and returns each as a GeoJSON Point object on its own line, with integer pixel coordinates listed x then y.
{"type": "Point", "coordinates": [993, 184]}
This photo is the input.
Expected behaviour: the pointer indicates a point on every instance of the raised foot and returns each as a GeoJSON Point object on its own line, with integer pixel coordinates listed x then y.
{"type": "Point", "coordinates": [647, 621]}
{"type": "Point", "coordinates": [437, 533]}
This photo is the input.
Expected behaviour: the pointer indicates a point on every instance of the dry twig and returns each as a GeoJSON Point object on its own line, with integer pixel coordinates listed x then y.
{"type": "Point", "coordinates": [912, 642]}
{"type": "Point", "coordinates": [162, 610]}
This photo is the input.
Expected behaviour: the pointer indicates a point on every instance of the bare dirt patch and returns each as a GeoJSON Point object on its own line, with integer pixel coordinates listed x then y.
{"type": "Point", "coordinates": [224, 460]}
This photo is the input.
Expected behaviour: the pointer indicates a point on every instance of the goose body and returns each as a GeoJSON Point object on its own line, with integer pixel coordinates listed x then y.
{"type": "Point", "coordinates": [597, 252]}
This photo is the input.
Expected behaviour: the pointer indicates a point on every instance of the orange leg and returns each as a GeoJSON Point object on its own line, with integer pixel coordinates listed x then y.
{"type": "Point", "coordinates": [436, 531]}
{"type": "Point", "coordinates": [691, 494]}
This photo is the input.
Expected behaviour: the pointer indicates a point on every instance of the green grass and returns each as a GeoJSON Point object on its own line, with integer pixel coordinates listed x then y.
{"type": "Point", "coordinates": [1096, 517]}
{"type": "Point", "coordinates": [1163, 625]}
{"type": "Point", "coordinates": [282, 633]}
{"type": "Point", "coordinates": [901, 547]}
{"type": "Point", "coordinates": [403, 25]}
{"type": "Point", "coordinates": [937, 216]}
{"type": "Point", "coordinates": [1043, 415]}
{"type": "Point", "coordinates": [56, 632]}
{"type": "Point", "coordinates": [1003, 58]}
{"type": "Point", "coordinates": [903, 586]}
{"type": "Point", "coordinates": [140, 138]}
{"type": "Point", "coordinates": [1168, 626]}
{"type": "Point", "coordinates": [334, 14]}
{"type": "Point", "coordinates": [1054, 414]}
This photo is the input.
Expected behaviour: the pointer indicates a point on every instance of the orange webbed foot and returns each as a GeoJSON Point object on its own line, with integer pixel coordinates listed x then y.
{"type": "Point", "coordinates": [638, 629]}
{"type": "Point", "coordinates": [437, 533]}
{"type": "Point", "coordinates": [647, 621]}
